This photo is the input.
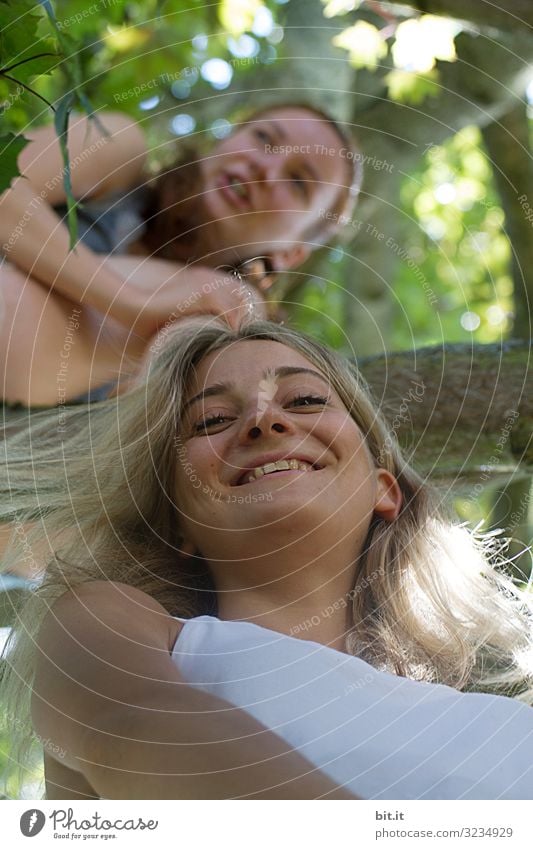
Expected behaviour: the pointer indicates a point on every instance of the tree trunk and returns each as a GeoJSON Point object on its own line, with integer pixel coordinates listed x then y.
{"type": "Point", "coordinates": [508, 147]}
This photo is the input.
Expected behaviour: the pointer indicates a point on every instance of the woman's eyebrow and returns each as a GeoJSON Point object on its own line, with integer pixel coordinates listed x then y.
{"type": "Point", "coordinates": [215, 389]}
{"type": "Point", "coordinates": [286, 371]}
{"type": "Point", "coordinates": [281, 371]}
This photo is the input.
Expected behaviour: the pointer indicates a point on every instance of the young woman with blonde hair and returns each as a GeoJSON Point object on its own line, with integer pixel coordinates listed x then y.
{"type": "Point", "coordinates": [250, 594]}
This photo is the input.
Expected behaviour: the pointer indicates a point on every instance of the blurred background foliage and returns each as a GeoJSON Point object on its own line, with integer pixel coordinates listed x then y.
{"type": "Point", "coordinates": [427, 259]}
{"type": "Point", "coordinates": [460, 245]}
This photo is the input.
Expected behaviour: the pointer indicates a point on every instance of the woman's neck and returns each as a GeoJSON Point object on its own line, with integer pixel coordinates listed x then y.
{"type": "Point", "coordinates": [286, 603]}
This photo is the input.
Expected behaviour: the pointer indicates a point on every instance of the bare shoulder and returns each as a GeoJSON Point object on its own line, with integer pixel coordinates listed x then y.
{"type": "Point", "coordinates": [118, 605]}
{"type": "Point", "coordinates": [100, 646]}
{"type": "Point", "coordinates": [106, 155]}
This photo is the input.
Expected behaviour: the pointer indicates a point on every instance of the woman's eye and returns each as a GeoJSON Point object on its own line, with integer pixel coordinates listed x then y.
{"type": "Point", "coordinates": [309, 401]}
{"type": "Point", "coordinates": [263, 136]}
{"type": "Point", "coordinates": [209, 422]}
{"type": "Point", "coordinates": [300, 184]}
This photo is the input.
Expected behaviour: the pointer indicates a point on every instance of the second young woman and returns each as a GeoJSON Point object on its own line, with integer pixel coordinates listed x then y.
{"type": "Point", "coordinates": [74, 321]}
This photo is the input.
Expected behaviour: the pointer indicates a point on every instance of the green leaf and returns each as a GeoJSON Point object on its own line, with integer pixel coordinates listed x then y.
{"type": "Point", "coordinates": [411, 87]}
{"type": "Point", "coordinates": [91, 114]}
{"type": "Point", "coordinates": [31, 66]}
{"type": "Point", "coordinates": [339, 7]}
{"type": "Point", "coordinates": [364, 43]}
{"type": "Point", "coordinates": [61, 118]}
{"type": "Point", "coordinates": [10, 147]}
{"type": "Point", "coordinates": [20, 40]}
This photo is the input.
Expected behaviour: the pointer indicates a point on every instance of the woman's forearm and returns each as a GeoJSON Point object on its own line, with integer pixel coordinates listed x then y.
{"type": "Point", "coordinates": [35, 239]}
{"type": "Point", "coordinates": [183, 743]}
{"type": "Point", "coordinates": [141, 293]}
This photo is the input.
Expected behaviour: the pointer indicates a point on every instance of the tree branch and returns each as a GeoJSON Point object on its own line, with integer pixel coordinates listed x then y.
{"type": "Point", "coordinates": [516, 14]}
{"type": "Point", "coordinates": [460, 411]}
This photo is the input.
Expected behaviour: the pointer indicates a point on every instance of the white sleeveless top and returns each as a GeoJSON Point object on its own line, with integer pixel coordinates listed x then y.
{"type": "Point", "coordinates": [379, 735]}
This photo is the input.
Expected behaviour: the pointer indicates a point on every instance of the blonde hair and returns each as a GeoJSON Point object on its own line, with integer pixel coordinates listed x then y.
{"type": "Point", "coordinates": [428, 600]}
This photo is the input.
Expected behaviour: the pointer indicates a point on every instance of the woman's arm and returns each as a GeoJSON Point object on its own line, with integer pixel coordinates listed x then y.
{"type": "Point", "coordinates": [164, 292]}
{"type": "Point", "coordinates": [109, 695]}
{"type": "Point", "coordinates": [34, 238]}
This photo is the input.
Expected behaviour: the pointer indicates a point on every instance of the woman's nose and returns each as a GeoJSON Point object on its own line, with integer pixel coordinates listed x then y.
{"type": "Point", "coordinates": [265, 420]}
{"type": "Point", "coordinates": [266, 167]}
{"type": "Point", "coordinates": [257, 430]}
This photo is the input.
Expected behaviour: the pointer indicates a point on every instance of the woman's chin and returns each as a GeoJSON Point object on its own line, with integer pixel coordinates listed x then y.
{"type": "Point", "coordinates": [293, 504]}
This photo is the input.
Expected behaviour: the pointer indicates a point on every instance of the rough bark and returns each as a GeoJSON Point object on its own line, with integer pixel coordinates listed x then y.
{"type": "Point", "coordinates": [459, 411]}
{"type": "Point", "coordinates": [507, 144]}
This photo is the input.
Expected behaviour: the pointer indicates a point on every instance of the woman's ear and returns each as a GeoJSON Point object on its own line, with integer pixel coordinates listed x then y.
{"type": "Point", "coordinates": [389, 496]}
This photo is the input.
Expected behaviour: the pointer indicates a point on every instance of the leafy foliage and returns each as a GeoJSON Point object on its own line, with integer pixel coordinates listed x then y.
{"type": "Point", "coordinates": [364, 44]}
{"type": "Point", "coordinates": [412, 87]}
{"type": "Point", "coordinates": [23, 54]}
{"type": "Point", "coordinates": [23, 51]}
{"type": "Point", "coordinates": [459, 247]}
{"type": "Point", "coordinates": [10, 147]}
{"type": "Point", "coordinates": [416, 45]}
{"type": "Point", "coordinates": [110, 55]}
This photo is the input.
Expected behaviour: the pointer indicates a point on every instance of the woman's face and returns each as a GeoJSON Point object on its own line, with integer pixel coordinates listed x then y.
{"type": "Point", "coordinates": [268, 452]}
{"type": "Point", "coordinates": [269, 181]}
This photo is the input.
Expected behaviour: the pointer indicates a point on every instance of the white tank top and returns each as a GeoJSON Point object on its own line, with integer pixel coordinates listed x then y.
{"type": "Point", "coordinates": [379, 735]}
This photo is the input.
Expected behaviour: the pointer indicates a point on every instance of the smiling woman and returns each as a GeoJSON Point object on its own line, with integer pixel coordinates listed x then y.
{"type": "Point", "coordinates": [244, 205]}
{"type": "Point", "coordinates": [247, 542]}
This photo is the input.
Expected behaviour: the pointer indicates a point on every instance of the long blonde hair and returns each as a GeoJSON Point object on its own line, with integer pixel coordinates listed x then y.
{"type": "Point", "coordinates": [429, 601]}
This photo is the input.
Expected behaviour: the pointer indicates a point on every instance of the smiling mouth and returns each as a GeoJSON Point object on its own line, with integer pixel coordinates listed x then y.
{"type": "Point", "coordinates": [277, 468]}
{"type": "Point", "coordinates": [235, 191]}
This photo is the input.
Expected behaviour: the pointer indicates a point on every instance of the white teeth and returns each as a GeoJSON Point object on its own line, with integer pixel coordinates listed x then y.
{"type": "Point", "coordinates": [279, 465]}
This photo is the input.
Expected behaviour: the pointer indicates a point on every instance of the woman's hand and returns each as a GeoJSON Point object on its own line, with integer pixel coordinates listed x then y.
{"type": "Point", "coordinates": [158, 292]}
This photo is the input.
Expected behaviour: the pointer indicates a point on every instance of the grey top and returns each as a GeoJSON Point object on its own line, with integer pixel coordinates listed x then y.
{"type": "Point", "coordinates": [109, 225]}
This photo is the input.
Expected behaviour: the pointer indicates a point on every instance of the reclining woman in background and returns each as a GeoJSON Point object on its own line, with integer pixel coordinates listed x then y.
{"type": "Point", "coordinates": [73, 322]}
{"type": "Point", "coordinates": [258, 598]}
